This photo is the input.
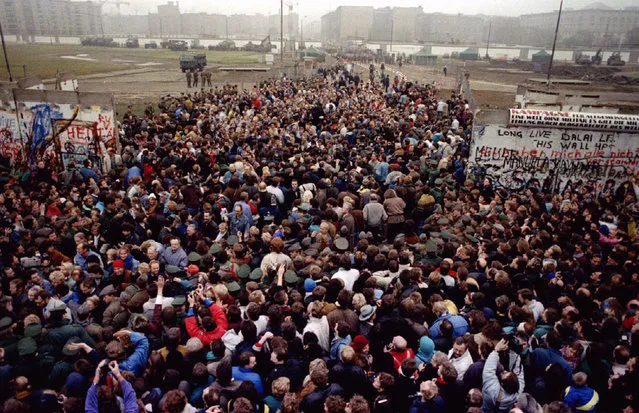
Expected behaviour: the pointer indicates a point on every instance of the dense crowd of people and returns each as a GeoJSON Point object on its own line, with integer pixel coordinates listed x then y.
{"type": "Point", "coordinates": [312, 246]}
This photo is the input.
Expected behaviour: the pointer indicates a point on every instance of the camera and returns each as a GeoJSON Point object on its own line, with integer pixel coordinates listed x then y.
{"type": "Point", "coordinates": [30, 262]}
{"type": "Point", "coordinates": [105, 369]}
{"type": "Point", "coordinates": [513, 342]}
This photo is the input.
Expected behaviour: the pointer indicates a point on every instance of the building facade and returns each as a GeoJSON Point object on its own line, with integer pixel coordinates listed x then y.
{"type": "Point", "coordinates": [596, 27]}
{"type": "Point", "coordinates": [123, 25]}
{"type": "Point", "coordinates": [348, 23]}
{"type": "Point", "coordinates": [29, 18]}
{"type": "Point", "coordinates": [167, 21]}
{"type": "Point", "coordinates": [451, 28]}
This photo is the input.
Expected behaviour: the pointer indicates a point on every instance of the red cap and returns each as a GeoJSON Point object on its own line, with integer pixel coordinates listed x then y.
{"type": "Point", "coordinates": [193, 269]}
{"type": "Point", "coordinates": [359, 342]}
{"type": "Point", "coordinates": [118, 264]}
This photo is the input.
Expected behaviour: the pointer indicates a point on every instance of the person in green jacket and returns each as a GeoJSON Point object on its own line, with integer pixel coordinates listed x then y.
{"type": "Point", "coordinates": [61, 330]}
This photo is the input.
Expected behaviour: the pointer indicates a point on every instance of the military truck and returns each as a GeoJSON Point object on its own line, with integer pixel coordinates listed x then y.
{"type": "Point", "coordinates": [99, 41]}
{"type": "Point", "coordinates": [132, 43]}
{"type": "Point", "coordinates": [151, 45]}
{"type": "Point", "coordinates": [192, 61]}
{"type": "Point", "coordinates": [178, 45]}
{"type": "Point", "coordinates": [225, 46]}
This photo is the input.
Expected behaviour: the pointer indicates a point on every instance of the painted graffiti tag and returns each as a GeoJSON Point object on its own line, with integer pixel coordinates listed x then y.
{"type": "Point", "coordinates": [517, 154]}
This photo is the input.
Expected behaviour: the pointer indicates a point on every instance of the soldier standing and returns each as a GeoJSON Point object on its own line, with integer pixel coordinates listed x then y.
{"type": "Point", "coordinates": [208, 78]}
{"type": "Point", "coordinates": [189, 76]}
{"type": "Point", "coordinates": [195, 76]}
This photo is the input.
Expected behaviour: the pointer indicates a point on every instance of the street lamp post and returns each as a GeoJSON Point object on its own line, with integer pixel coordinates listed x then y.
{"type": "Point", "coordinates": [490, 27]}
{"type": "Point", "coordinates": [554, 42]}
{"type": "Point", "coordinates": [6, 58]}
{"type": "Point", "coordinates": [391, 33]}
{"type": "Point", "coordinates": [282, 32]}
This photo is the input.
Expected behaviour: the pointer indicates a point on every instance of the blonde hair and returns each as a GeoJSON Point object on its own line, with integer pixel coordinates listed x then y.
{"type": "Point", "coordinates": [429, 390]}
{"type": "Point", "coordinates": [220, 290]}
{"type": "Point", "coordinates": [359, 301]}
{"type": "Point", "coordinates": [144, 268]}
{"type": "Point", "coordinates": [440, 308]}
{"type": "Point", "coordinates": [111, 253]}
{"type": "Point", "coordinates": [57, 276]}
{"type": "Point", "coordinates": [257, 297]}
{"type": "Point", "coordinates": [67, 267]}
{"type": "Point", "coordinates": [347, 354]}
{"type": "Point", "coordinates": [315, 364]}
{"type": "Point", "coordinates": [281, 386]}
{"type": "Point", "coordinates": [315, 309]}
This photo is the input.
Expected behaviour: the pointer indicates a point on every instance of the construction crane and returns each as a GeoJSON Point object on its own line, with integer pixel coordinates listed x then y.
{"type": "Point", "coordinates": [117, 3]}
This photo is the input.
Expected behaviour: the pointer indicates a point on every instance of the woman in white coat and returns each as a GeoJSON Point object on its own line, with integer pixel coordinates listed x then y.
{"type": "Point", "coordinates": [318, 324]}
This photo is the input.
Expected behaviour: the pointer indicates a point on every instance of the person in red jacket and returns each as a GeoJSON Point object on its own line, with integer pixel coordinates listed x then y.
{"type": "Point", "coordinates": [211, 322]}
{"type": "Point", "coordinates": [400, 351]}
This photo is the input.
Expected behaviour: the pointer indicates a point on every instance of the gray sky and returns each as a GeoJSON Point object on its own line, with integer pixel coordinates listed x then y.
{"type": "Point", "coordinates": [315, 9]}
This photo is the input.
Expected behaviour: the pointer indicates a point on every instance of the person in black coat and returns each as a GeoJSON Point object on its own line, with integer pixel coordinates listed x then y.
{"type": "Point", "coordinates": [444, 342]}
{"type": "Point", "coordinates": [448, 388]}
{"type": "Point", "coordinates": [314, 402]}
{"type": "Point", "coordinates": [405, 387]}
{"type": "Point", "coordinates": [384, 383]}
{"type": "Point", "coordinates": [350, 376]}
{"type": "Point", "coordinates": [473, 378]}
{"type": "Point", "coordinates": [283, 366]}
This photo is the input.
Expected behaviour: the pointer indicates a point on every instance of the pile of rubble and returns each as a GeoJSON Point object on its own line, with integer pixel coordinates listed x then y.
{"type": "Point", "coordinates": [595, 73]}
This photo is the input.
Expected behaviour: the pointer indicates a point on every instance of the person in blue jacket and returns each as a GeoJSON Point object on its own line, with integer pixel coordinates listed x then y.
{"type": "Point", "coordinates": [544, 357]}
{"type": "Point", "coordinates": [136, 362]}
{"type": "Point", "coordinates": [430, 402]}
{"type": "Point", "coordinates": [245, 371]}
{"type": "Point", "coordinates": [92, 402]}
{"type": "Point", "coordinates": [460, 325]}
{"type": "Point", "coordinates": [580, 397]}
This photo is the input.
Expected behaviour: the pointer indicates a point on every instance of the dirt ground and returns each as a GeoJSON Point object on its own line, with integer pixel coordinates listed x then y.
{"type": "Point", "coordinates": [149, 84]}
{"type": "Point", "coordinates": [136, 76]}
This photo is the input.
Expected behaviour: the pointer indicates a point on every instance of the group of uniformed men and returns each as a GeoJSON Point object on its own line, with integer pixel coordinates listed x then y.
{"type": "Point", "coordinates": [193, 77]}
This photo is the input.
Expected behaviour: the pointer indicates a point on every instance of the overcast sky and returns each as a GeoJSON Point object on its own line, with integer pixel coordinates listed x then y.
{"type": "Point", "coordinates": [315, 9]}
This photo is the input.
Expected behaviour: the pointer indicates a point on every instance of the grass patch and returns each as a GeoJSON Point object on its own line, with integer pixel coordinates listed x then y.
{"type": "Point", "coordinates": [44, 60]}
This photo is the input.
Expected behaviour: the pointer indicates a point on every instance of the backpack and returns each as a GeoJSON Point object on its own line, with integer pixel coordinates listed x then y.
{"type": "Point", "coordinates": [273, 199]}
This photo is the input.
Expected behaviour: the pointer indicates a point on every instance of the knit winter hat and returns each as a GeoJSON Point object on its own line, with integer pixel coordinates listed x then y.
{"type": "Point", "coordinates": [359, 342]}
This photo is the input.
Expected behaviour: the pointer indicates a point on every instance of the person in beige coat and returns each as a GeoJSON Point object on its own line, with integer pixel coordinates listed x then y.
{"type": "Point", "coordinates": [394, 207]}
{"type": "Point", "coordinates": [111, 161]}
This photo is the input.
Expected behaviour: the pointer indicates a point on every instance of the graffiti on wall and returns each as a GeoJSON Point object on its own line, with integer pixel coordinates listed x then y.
{"type": "Point", "coordinates": [11, 138]}
{"type": "Point", "coordinates": [512, 156]}
{"type": "Point", "coordinates": [78, 141]}
{"type": "Point", "coordinates": [56, 132]}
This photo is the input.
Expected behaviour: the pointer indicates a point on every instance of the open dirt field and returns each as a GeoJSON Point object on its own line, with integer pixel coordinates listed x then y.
{"type": "Point", "coordinates": [45, 60]}
{"type": "Point", "coordinates": [136, 76]}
